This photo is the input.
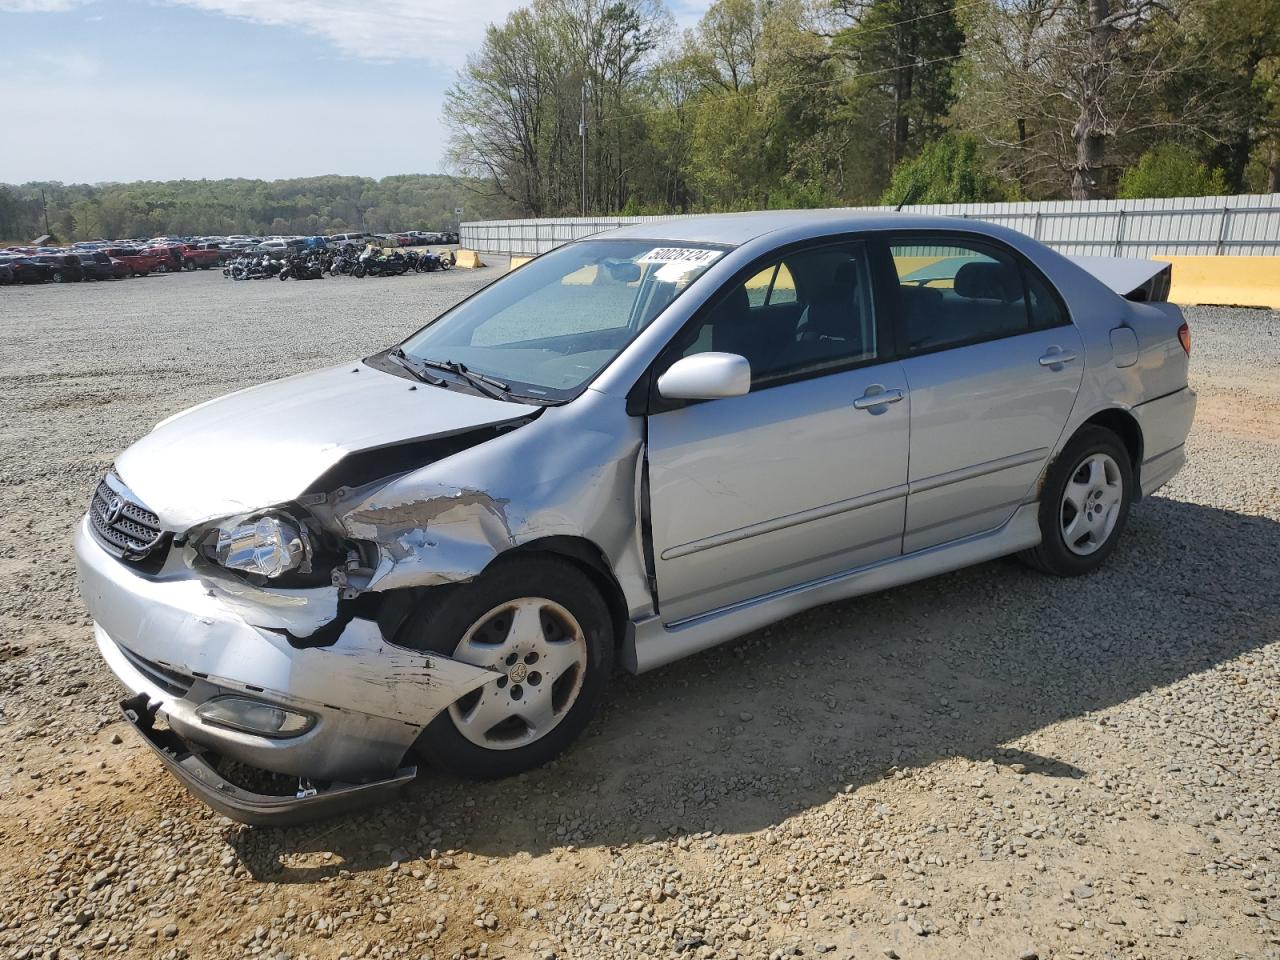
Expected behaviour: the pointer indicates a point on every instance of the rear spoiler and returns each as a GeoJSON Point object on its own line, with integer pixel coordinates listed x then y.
{"type": "Point", "coordinates": [1144, 281]}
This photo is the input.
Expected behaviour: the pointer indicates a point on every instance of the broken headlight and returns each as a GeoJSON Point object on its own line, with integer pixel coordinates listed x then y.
{"type": "Point", "coordinates": [266, 546]}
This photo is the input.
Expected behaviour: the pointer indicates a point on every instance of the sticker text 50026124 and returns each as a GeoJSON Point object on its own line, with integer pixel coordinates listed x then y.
{"type": "Point", "coordinates": [689, 255]}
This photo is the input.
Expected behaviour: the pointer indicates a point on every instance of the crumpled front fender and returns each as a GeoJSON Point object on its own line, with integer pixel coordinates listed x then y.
{"type": "Point", "coordinates": [181, 625]}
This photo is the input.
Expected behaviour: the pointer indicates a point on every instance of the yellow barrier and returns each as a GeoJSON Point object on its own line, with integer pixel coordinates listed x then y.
{"type": "Point", "coordinates": [467, 258]}
{"type": "Point", "coordinates": [1227, 281]}
{"type": "Point", "coordinates": [519, 262]}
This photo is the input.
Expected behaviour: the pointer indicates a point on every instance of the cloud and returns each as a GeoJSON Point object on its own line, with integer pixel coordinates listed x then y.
{"type": "Point", "coordinates": [39, 6]}
{"type": "Point", "coordinates": [387, 30]}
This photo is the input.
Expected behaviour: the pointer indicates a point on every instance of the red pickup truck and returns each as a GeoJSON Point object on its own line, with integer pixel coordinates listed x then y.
{"type": "Point", "coordinates": [187, 256]}
{"type": "Point", "coordinates": [140, 262]}
{"type": "Point", "coordinates": [202, 255]}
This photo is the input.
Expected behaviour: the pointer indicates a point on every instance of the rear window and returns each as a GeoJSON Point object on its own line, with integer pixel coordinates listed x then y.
{"type": "Point", "coordinates": [953, 293]}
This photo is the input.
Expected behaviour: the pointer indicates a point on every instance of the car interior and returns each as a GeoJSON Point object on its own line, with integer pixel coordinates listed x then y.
{"type": "Point", "coordinates": [810, 311]}
{"type": "Point", "coordinates": [961, 295]}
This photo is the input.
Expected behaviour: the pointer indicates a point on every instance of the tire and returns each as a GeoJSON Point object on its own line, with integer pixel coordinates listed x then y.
{"type": "Point", "coordinates": [475, 622]}
{"type": "Point", "coordinates": [57, 276]}
{"type": "Point", "coordinates": [1084, 504]}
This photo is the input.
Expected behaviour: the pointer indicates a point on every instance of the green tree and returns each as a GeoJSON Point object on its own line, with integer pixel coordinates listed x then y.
{"type": "Point", "coordinates": [1170, 170]}
{"type": "Point", "coordinates": [902, 53]}
{"type": "Point", "coordinates": [948, 170]}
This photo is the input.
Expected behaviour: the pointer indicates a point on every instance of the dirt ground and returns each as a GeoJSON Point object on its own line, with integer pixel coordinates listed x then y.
{"type": "Point", "coordinates": [987, 764]}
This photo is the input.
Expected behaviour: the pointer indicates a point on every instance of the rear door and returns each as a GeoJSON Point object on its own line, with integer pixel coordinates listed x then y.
{"type": "Point", "coordinates": [804, 476]}
{"type": "Point", "coordinates": [993, 364]}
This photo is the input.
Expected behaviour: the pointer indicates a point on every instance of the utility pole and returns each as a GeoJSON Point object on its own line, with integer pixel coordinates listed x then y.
{"type": "Point", "coordinates": [582, 134]}
{"type": "Point", "coordinates": [45, 208]}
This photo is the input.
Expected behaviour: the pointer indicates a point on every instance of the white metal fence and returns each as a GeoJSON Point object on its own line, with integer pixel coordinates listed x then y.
{"type": "Point", "coordinates": [1247, 225]}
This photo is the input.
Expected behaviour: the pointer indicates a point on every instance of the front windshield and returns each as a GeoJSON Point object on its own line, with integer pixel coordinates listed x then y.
{"type": "Point", "coordinates": [550, 326]}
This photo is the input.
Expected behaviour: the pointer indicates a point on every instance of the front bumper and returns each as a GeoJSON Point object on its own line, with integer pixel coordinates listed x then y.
{"type": "Point", "coordinates": [181, 640]}
{"type": "Point", "coordinates": [203, 781]}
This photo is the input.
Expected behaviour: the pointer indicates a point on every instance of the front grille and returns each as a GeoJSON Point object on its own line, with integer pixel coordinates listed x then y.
{"type": "Point", "coordinates": [125, 528]}
{"type": "Point", "coordinates": [163, 677]}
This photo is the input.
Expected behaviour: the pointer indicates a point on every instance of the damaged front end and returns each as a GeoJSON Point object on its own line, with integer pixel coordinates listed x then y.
{"type": "Point", "coordinates": [261, 668]}
{"type": "Point", "coordinates": [248, 587]}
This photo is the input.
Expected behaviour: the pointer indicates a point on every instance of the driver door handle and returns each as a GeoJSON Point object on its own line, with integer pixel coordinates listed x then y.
{"type": "Point", "coordinates": [879, 398]}
{"type": "Point", "coordinates": [1052, 359]}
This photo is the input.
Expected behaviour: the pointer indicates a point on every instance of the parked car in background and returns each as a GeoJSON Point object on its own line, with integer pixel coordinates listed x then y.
{"type": "Point", "coordinates": [275, 249]}
{"type": "Point", "coordinates": [63, 267]}
{"type": "Point", "coordinates": [6, 272]}
{"type": "Point", "coordinates": [170, 257]}
{"type": "Point", "coordinates": [279, 248]}
{"type": "Point", "coordinates": [140, 262]}
{"type": "Point", "coordinates": [201, 256]}
{"type": "Point", "coordinates": [97, 266]}
{"type": "Point", "coordinates": [28, 270]}
{"type": "Point", "coordinates": [356, 239]}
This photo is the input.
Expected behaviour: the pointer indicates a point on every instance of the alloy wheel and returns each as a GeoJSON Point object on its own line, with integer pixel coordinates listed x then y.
{"type": "Point", "coordinates": [1091, 504]}
{"type": "Point", "coordinates": [539, 651]}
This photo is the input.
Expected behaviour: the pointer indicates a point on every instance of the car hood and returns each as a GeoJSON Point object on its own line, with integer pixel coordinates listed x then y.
{"type": "Point", "coordinates": [265, 445]}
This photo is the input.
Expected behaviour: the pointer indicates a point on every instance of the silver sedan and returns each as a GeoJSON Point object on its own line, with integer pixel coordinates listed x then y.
{"type": "Point", "coordinates": [630, 449]}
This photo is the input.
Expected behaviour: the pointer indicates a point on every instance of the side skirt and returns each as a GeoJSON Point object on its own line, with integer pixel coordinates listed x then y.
{"type": "Point", "coordinates": [655, 644]}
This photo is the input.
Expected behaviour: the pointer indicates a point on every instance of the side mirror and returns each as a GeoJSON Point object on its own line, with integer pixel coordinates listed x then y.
{"type": "Point", "coordinates": [706, 376]}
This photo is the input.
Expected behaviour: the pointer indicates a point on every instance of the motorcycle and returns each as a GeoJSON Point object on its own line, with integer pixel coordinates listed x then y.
{"type": "Point", "coordinates": [343, 264]}
{"type": "Point", "coordinates": [381, 266]}
{"type": "Point", "coordinates": [300, 267]}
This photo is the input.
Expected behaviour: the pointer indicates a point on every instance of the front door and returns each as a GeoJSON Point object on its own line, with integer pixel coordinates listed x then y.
{"type": "Point", "coordinates": [804, 476]}
{"type": "Point", "coordinates": [993, 364]}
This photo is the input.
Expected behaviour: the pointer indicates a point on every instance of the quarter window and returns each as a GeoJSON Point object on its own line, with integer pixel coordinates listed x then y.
{"type": "Point", "coordinates": [1044, 306]}
{"type": "Point", "coordinates": [805, 313]}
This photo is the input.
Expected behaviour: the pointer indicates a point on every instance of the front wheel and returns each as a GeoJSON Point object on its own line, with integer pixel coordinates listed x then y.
{"type": "Point", "coordinates": [541, 625]}
{"type": "Point", "coordinates": [1084, 504]}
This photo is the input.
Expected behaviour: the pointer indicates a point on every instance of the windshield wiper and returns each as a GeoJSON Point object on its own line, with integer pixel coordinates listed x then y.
{"type": "Point", "coordinates": [487, 385]}
{"type": "Point", "coordinates": [400, 357]}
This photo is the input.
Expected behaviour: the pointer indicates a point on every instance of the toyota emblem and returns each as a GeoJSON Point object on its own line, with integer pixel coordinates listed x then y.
{"type": "Point", "coordinates": [114, 509]}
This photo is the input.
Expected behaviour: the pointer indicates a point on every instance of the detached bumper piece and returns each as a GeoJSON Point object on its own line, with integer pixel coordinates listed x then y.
{"type": "Point", "coordinates": [187, 763]}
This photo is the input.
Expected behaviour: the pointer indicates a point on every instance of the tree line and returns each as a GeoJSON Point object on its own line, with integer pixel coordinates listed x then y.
{"type": "Point", "coordinates": [307, 206]}
{"type": "Point", "coordinates": [602, 106]}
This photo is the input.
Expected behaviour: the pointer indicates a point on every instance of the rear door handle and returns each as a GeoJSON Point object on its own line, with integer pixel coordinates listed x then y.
{"type": "Point", "coordinates": [1056, 358]}
{"type": "Point", "coordinates": [876, 397]}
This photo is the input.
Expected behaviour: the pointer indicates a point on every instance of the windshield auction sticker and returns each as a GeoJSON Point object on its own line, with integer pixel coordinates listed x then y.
{"type": "Point", "coordinates": [691, 255]}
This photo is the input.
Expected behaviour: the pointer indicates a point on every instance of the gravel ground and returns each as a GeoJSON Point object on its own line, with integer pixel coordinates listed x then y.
{"type": "Point", "coordinates": [988, 764]}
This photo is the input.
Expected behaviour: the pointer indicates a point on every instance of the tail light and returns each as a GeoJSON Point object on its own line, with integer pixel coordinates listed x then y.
{"type": "Point", "coordinates": [1184, 338]}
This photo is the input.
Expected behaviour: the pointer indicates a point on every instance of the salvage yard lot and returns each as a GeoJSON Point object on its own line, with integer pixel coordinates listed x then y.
{"type": "Point", "coordinates": [988, 764]}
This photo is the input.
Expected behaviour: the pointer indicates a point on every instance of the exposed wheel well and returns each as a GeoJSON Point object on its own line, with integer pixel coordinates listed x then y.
{"type": "Point", "coordinates": [392, 609]}
{"type": "Point", "coordinates": [1125, 426]}
{"type": "Point", "coordinates": [587, 557]}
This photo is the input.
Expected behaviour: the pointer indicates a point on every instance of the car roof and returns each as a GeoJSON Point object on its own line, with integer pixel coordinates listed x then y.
{"type": "Point", "coordinates": [735, 229]}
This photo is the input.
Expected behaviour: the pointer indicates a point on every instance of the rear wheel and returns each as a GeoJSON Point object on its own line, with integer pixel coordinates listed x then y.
{"type": "Point", "coordinates": [1084, 504]}
{"type": "Point", "coordinates": [57, 276]}
{"type": "Point", "coordinates": [540, 624]}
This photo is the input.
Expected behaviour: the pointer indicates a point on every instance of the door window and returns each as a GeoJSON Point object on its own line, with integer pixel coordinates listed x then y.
{"type": "Point", "coordinates": [952, 293]}
{"type": "Point", "coordinates": [805, 313]}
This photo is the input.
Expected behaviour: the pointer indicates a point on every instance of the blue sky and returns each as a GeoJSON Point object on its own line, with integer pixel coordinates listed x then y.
{"type": "Point", "coordinates": [168, 89]}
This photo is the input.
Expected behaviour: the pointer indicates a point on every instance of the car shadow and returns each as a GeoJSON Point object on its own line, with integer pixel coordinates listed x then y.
{"type": "Point", "coordinates": [744, 736]}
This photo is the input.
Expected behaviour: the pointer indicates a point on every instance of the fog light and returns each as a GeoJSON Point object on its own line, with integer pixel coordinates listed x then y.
{"type": "Point", "coordinates": [254, 716]}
